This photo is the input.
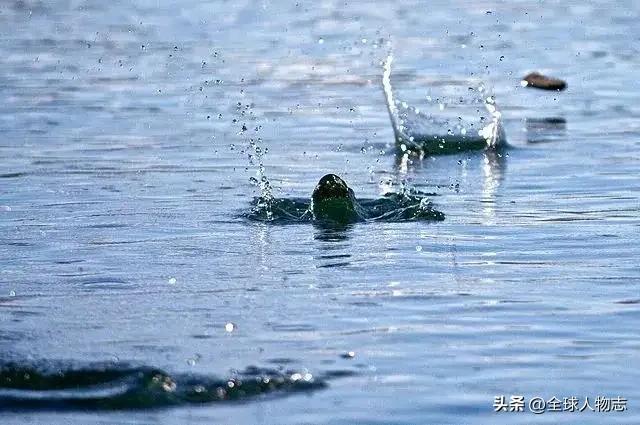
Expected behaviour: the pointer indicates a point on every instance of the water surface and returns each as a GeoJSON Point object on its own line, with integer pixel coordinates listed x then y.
{"type": "Point", "coordinates": [129, 132]}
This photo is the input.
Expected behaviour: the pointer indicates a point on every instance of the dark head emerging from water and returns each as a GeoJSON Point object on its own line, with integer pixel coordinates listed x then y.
{"type": "Point", "coordinates": [334, 201]}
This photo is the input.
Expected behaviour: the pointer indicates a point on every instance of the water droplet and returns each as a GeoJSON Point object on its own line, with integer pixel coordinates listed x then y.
{"type": "Point", "coordinates": [168, 385]}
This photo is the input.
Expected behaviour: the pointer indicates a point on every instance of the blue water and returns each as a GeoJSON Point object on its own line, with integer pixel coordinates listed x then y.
{"type": "Point", "coordinates": [125, 180]}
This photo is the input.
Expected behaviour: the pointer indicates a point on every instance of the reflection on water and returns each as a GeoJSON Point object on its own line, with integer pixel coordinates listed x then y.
{"type": "Point", "coordinates": [488, 167]}
{"type": "Point", "coordinates": [402, 162]}
{"type": "Point", "coordinates": [493, 173]}
{"type": "Point", "coordinates": [333, 233]}
{"type": "Point", "coordinates": [332, 246]}
{"type": "Point", "coordinates": [545, 130]}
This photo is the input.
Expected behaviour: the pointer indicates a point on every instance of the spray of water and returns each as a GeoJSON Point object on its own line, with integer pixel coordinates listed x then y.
{"type": "Point", "coordinates": [255, 152]}
{"type": "Point", "coordinates": [261, 180]}
{"type": "Point", "coordinates": [454, 124]}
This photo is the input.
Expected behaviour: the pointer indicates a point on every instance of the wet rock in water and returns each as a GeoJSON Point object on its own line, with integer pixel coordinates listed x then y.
{"type": "Point", "coordinates": [539, 81]}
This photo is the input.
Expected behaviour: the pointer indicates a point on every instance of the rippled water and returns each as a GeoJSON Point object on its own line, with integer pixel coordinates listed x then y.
{"type": "Point", "coordinates": [125, 178]}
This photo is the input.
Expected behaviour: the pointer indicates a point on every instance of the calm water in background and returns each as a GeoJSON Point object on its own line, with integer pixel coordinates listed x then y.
{"type": "Point", "coordinates": [122, 168]}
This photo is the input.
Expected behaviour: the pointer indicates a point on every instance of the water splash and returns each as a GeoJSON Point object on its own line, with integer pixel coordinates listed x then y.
{"type": "Point", "coordinates": [451, 130]}
{"type": "Point", "coordinates": [408, 205]}
{"type": "Point", "coordinates": [114, 386]}
{"type": "Point", "coordinates": [261, 180]}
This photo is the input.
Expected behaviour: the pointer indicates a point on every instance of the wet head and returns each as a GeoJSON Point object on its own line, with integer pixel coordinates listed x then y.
{"type": "Point", "coordinates": [334, 201]}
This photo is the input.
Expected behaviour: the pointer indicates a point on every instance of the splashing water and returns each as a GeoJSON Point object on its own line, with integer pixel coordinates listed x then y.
{"type": "Point", "coordinates": [393, 207]}
{"type": "Point", "coordinates": [261, 180]}
{"type": "Point", "coordinates": [460, 124]}
{"type": "Point", "coordinates": [107, 386]}
{"type": "Point", "coordinates": [256, 151]}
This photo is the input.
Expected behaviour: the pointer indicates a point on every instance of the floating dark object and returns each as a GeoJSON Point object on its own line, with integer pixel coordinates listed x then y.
{"type": "Point", "coordinates": [539, 81]}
